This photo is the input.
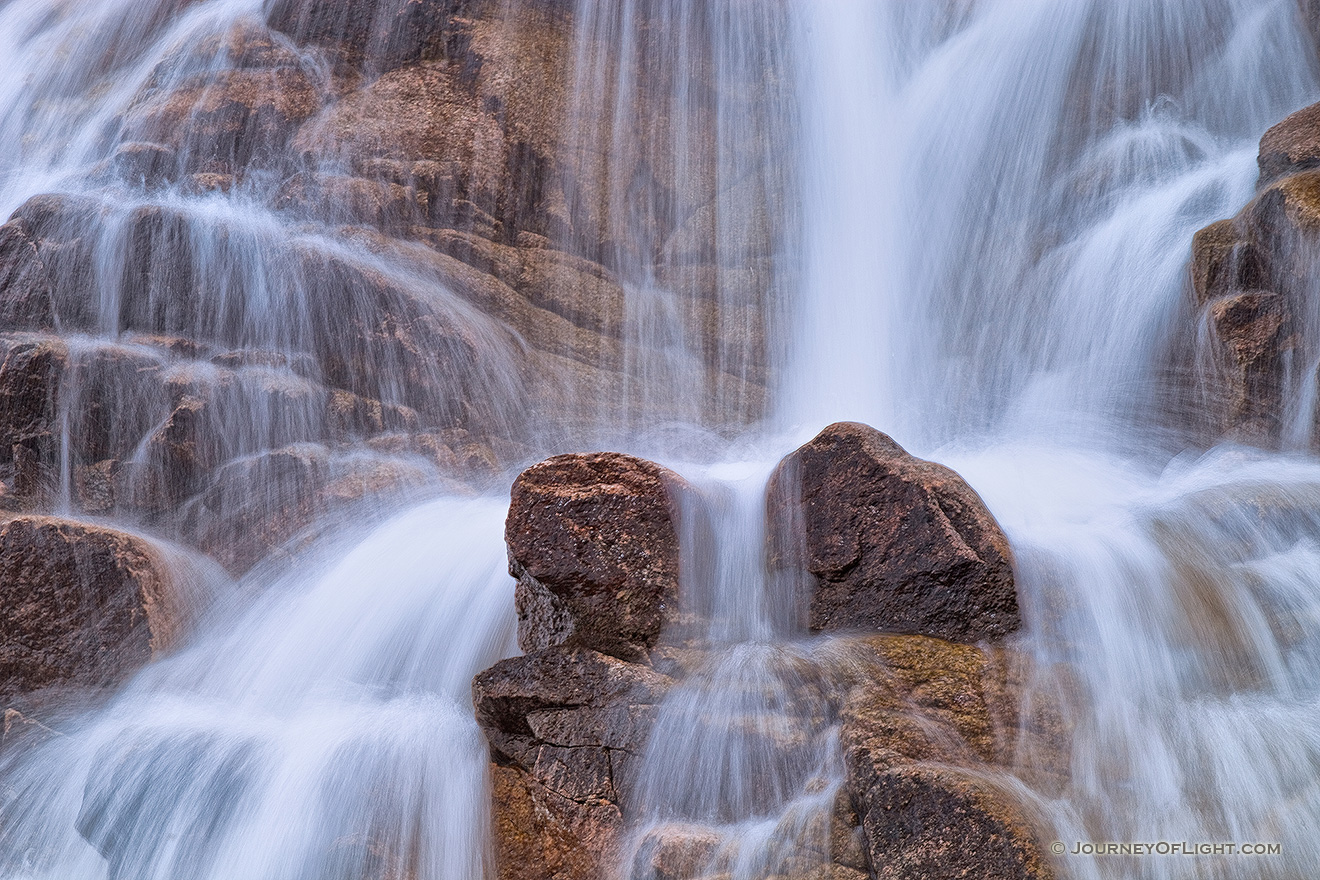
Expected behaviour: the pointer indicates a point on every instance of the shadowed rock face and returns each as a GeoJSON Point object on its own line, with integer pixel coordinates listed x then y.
{"type": "Point", "coordinates": [85, 606]}
{"type": "Point", "coordinates": [593, 542]}
{"type": "Point", "coordinates": [895, 543]}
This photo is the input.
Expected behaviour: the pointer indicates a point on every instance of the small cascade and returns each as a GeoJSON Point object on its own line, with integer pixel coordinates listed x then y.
{"type": "Point", "coordinates": [323, 732]}
{"type": "Point", "coordinates": [743, 765]}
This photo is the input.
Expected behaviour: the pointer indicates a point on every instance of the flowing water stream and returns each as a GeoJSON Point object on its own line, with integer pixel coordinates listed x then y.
{"type": "Point", "coordinates": [969, 221]}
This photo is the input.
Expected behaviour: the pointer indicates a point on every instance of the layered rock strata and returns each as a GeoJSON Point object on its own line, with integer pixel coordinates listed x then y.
{"type": "Point", "coordinates": [345, 247]}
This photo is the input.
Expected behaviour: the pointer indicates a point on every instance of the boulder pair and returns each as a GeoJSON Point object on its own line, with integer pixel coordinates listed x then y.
{"type": "Point", "coordinates": [906, 568]}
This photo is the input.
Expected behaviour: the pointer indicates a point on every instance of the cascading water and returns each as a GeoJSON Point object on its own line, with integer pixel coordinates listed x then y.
{"type": "Point", "coordinates": [964, 222]}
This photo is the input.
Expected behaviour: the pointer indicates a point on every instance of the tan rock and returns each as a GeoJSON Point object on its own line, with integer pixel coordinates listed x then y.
{"type": "Point", "coordinates": [538, 836]}
{"type": "Point", "coordinates": [1291, 145]}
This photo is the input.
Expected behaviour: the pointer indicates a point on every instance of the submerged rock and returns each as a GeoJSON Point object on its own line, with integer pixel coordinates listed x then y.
{"type": "Point", "coordinates": [894, 543]}
{"type": "Point", "coordinates": [83, 605]}
{"type": "Point", "coordinates": [593, 541]}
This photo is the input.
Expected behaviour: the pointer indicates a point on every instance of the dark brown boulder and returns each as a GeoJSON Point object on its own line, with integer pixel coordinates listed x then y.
{"type": "Point", "coordinates": [895, 543]}
{"type": "Point", "coordinates": [83, 605]}
{"type": "Point", "coordinates": [593, 542]}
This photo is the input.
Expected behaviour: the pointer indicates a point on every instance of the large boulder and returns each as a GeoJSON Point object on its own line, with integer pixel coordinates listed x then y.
{"type": "Point", "coordinates": [83, 605]}
{"type": "Point", "coordinates": [593, 542]}
{"type": "Point", "coordinates": [893, 542]}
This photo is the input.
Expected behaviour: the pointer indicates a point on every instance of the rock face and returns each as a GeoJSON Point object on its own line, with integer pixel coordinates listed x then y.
{"type": "Point", "coordinates": [593, 542]}
{"type": "Point", "coordinates": [83, 605]}
{"type": "Point", "coordinates": [1252, 292]}
{"type": "Point", "coordinates": [927, 729]}
{"type": "Point", "coordinates": [895, 543]}
{"type": "Point", "coordinates": [566, 727]}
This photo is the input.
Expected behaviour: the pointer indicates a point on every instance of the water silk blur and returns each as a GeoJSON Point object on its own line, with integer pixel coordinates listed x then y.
{"type": "Point", "coordinates": [979, 221]}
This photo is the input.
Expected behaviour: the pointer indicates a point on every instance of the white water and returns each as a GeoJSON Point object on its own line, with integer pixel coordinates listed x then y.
{"type": "Point", "coordinates": [985, 257]}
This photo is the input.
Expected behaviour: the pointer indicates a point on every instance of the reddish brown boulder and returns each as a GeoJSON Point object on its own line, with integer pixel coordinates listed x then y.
{"type": "Point", "coordinates": [895, 543]}
{"type": "Point", "coordinates": [1291, 145]}
{"type": "Point", "coordinates": [593, 541]}
{"type": "Point", "coordinates": [83, 605]}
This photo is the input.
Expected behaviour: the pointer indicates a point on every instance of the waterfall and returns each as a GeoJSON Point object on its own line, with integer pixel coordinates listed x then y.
{"type": "Point", "coordinates": [315, 351]}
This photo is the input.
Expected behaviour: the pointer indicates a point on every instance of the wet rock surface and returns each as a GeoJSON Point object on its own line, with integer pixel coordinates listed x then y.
{"type": "Point", "coordinates": [894, 543]}
{"type": "Point", "coordinates": [928, 728]}
{"type": "Point", "coordinates": [1252, 298]}
{"type": "Point", "coordinates": [593, 541]}
{"type": "Point", "coordinates": [567, 728]}
{"type": "Point", "coordinates": [84, 605]}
